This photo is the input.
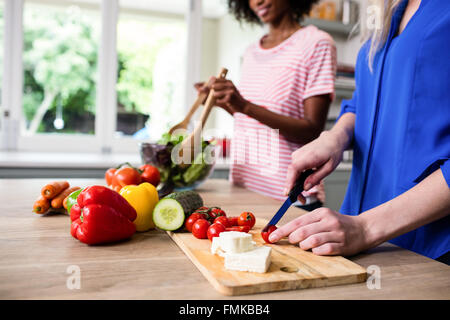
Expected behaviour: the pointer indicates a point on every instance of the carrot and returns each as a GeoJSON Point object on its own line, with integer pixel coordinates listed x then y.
{"type": "Point", "coordinates": [54, 188]}
{"type": "Point", "coordinates": [41, 205]}
{"type": "Point", "coordinates": [65, 199]}
{"type": "Point", "coordinates": [57, 202]}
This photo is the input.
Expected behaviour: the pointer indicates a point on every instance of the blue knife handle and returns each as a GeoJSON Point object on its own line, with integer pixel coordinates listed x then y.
{"type": "Point", "coordinates": [298, 186]}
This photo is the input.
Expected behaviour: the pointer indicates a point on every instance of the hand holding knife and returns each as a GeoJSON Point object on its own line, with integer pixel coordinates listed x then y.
{"type": "Point", "coordinates": [292, 197]}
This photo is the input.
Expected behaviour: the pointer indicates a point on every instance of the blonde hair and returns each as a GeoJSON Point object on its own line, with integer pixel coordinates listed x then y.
{"type": "Point", "coordinates": [377, 24]}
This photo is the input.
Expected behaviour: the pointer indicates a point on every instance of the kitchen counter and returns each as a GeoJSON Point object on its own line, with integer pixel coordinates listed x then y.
{"type": "Point", "coordinates": [36, 253]}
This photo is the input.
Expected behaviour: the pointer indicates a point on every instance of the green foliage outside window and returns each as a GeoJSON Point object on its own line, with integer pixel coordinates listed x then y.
{"type": "Point", "coordinates": [60, 66]}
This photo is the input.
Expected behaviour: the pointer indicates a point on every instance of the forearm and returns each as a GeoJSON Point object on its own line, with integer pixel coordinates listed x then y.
{"type": "Point", "coordinates": [408, 211]}
{"type": "Point", "coordinates": [296, 130]}
{"type": "Point", "coordinates": [344, 130]}
{"type": "Point", "coordinates": [304, 130]}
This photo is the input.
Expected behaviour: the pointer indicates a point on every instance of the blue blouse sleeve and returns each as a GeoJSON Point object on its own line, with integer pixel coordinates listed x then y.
{"type": "Point", "coordinates": [349, 105]}
{"type": "Point", "coordinates": [443, 164]}
{"type": "Point", "coordinates": [433, 91]}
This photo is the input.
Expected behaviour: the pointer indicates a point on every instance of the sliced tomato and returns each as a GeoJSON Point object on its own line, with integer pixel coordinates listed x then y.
{"type": "Point", "coordinates": [265, 234]}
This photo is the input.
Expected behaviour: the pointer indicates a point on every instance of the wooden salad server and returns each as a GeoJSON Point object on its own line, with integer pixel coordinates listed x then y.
{"type": "Point", "coordinates": [188, 144]}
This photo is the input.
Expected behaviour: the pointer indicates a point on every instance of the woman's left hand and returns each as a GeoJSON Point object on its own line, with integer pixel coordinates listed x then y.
{"type": "Point", "coordinates": [326, 232]}
{"type": "Point", "coordinates": [228, 97]}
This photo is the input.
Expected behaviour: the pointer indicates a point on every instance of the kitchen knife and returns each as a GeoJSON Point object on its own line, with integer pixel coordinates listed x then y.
{"type": "Point", "coordinates": [292, 197]}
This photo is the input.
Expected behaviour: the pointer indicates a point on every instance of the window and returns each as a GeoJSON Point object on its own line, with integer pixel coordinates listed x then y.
{"type": "Point", "coordinates": [93, 75]}
{"type": "Point", "coordinates": [151, 50]}
{"type": "Point", "coordinates": [60, 67]}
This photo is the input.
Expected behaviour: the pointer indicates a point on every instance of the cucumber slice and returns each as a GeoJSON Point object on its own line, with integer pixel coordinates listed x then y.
{"type": "Point", "coordinates": [168, 215]}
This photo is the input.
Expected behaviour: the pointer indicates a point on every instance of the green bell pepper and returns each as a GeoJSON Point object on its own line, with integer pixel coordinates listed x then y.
{"type": "Point", "coordinates": [72, 199]}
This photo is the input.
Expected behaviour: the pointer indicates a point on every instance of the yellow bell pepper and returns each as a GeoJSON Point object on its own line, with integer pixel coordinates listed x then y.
{"type": "Point", "coordinates": [143, 198]}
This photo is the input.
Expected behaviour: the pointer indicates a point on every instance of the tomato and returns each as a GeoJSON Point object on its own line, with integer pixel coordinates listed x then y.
{"type": "Point", "coordinates": [126, 176]}
{"type": "Point", "coordinates": [214, 230]}
{"type": "Point", "coordinates": [109, 176]}
{"type": "Point", "coordinates": [150, 174]}
{"type": "Point", "coordinates": [204, 213]}
{"type": "Point", "coordinates": [215, 212]}
{"type": "Point", "coordinates": [246, 219]}
{"type": "Point", "coordinates": [200, 228]}
{"type": "Point", "coordinates": [223, 220]}
{"type": "Point", "coordinates": [191, 220]}
{"type": "Point", "coordinates": [265, 234]}
{"type": "Point", "coordinates": [233, 221]}
{"type": "Point", "coordinates": [202, 208]}
{"type": "Point", "coordinates": [239, 229]}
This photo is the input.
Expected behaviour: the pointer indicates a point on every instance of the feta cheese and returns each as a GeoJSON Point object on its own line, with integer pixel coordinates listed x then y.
{"type": "Point", "coordinates": [232, 242]}
{"type": "Point", "coordinates": [240, 252]}
{"type": "Point", "coordinates": [256, 260]}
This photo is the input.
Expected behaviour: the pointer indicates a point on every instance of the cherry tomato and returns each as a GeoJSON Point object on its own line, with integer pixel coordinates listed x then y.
{"type": "Point", "coordinates": [200, 228]}
{"type": "Point", "coordinates": [191, 220]}
{"type": "Point", "coordinates": [215, 212]}
{"type": "Point", "coordinates": [246, 219]}
{"type": "Point", "coordinates": [126, 176]}
{"type": "Point", "coordinates": [204, 213]}
{"type": "Point", "coordinates": [239, 229]}
{"type": "Point", "coordinates": [109, 176]}
{"type": "Point", "coordinates": [150, 174]}
{"type": "Point", "coordinates": [214, 230]}
{"type": "Point", "coordinates": [223, 220]}
{"type": "Point", "coordinates": [233, 221]}
{"type": "Point", "coordinates": [202, 208]}
{"type": "Point", "coordinates": [265, 234]}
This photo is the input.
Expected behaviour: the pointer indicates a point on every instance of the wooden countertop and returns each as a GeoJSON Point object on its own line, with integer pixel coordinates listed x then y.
{"type": "Point", "coordinates": [36, 251]}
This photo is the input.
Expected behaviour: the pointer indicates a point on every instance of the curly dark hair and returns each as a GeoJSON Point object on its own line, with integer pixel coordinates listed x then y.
{"type": "Point", "coordinates": [242, 11]}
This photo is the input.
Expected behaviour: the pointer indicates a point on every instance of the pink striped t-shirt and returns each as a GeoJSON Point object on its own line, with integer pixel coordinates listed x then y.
{"type": "Point", "coordinates": [279, 79]}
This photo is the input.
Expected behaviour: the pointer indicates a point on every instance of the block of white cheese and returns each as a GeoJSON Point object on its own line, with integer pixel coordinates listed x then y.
{"type": "Point", "coordinates": [240, 252]}
{"type": "Point", "coordinates": [256, 260]}
{"type": "Point", "coordinates": [232, 242]}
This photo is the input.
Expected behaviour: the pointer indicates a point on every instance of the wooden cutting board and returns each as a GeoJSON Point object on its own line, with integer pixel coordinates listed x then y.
{"type": "Point", "coordinates": [291, 267]}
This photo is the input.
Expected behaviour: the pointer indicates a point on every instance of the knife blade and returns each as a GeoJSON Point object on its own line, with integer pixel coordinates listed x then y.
{"type": "Point", "coordinates": [292, 197]}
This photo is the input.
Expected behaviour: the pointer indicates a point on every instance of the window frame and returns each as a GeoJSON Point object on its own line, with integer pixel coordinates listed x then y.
{"type": "Point", "coordinates": [104, 140]}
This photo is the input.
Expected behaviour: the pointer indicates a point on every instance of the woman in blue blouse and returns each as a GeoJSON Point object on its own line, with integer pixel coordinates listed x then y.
{"type": "Point", "coordinates": [398, 124]}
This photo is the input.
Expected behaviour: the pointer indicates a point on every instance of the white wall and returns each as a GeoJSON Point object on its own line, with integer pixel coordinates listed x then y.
{"type": "Point", "coordinates": [232, 39]}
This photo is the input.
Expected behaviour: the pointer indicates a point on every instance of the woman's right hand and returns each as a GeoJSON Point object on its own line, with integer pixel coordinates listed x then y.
{"type": "Point", "coordinates": [202, 87]}
{"type": "Point", "coordinates": [323, 154]}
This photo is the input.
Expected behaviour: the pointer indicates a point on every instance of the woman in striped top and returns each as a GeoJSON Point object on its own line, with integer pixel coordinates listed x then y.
{"type": "Point", "coordinates": [282, 101]}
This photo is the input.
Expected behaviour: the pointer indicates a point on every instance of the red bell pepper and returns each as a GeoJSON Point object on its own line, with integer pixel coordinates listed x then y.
{"type": "Point", "coordinates": [101, 215]}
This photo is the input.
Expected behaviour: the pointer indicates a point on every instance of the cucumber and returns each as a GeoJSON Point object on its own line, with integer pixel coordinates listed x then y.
{"type": "Point", "coordinates": [168, 215]}
{"type": "Point", "coordinates": [170, 212]}
{"type": "Point", "coordinates": [189, 200]}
